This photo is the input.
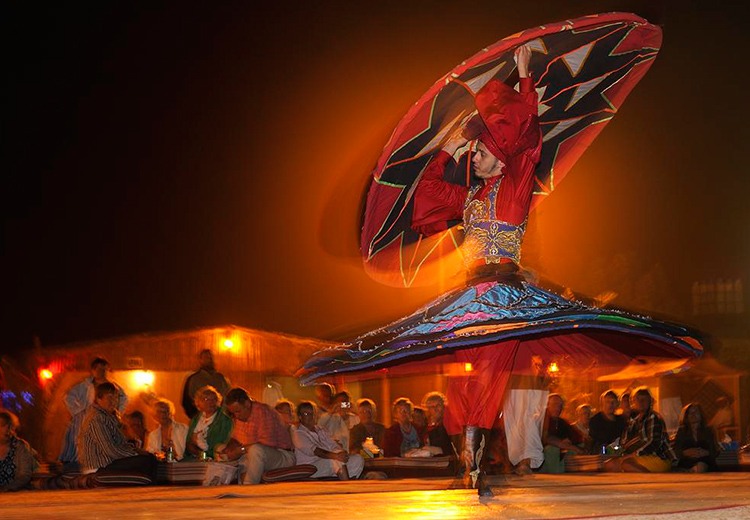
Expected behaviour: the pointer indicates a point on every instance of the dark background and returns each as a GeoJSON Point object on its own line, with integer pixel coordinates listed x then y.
{"type": "Point", "coordinates": [178, 166]}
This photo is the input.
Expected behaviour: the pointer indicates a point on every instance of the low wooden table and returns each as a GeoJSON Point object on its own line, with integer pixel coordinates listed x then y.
{"type": "Point", "coordinates": [583, 463]}
{"type": "Point", "coordinates": [410, 467]}
{"type": "Point", "coordinates": [182, 473]}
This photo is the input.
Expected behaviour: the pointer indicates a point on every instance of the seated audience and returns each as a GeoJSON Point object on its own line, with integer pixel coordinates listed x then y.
{"type": "Point", "coordinates": [419, 420]}
{"type": "Point", "coordinates": [570, 407]}
{"type": "Point", "coordinates": [367, 427]}
{"type": "Point", "coordinates": [558, 437]}
{"type": "Point", "coordinates": [695, 442]}
{"type": "Point", "coordinates": [582, 426]}
{"type": "Point", "coordinates": [625, 410]}
{"type": "Point", "coordinates": [260, 440]}
{"type": "Point", "coordinates": [645, 444]}
{"type": "Point", "coordinates": [314, 445]}
{"type": "Point", "coordinates": [168, 433]}
{"type": "Point", "coordinates": [77, 400]}
{"type": "Point", "coordinates": [402, 437]}
{"type": "Point", "coordinates": [605, 427]}
{"type": "Point", "coordinates": [17, 460]}
{"type": "Point", "coordinates": [285, 409]}
{"type": "Point", "coordinates": [437, 436]}
{"type": "Point", "coordinates": [135, 428]}
{"type": "Point", "coordinates": [209, 428]}
{"type": "Point", "coordinates": [340, 419]}
{"type": "Point", "coordinates": [102, 445]}
{"type": "Point", "coordinates": [324, 393]}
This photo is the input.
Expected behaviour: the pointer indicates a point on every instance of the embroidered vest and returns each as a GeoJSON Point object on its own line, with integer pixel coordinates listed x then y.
{"type": "Point", "coordinates": [487, 238]}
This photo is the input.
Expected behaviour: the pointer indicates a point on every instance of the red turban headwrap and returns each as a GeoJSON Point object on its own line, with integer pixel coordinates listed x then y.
{"type": "Point", "coordinates": [506, 124]}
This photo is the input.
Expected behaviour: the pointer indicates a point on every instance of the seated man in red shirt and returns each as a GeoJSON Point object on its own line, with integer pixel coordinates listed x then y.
{"type": "Point", "coordinates": [263, 440]}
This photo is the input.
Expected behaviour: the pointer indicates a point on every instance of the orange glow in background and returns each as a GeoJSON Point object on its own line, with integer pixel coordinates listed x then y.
{"type": "Point", "coordinates": [323, 153]}
{"type": "Point", "coordinates": [143, 378]}
{"type": "Point", "coordinates": [245, 198]}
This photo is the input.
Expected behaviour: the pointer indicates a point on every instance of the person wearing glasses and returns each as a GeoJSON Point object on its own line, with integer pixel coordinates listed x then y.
{"type": "Point", "coordinates": [314, 445]}
{"type": "Point", "coordinates": [209, 427]}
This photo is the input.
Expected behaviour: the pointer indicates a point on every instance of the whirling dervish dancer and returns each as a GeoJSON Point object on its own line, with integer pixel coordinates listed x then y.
{"type": "Point", "coordinates": [499, 323]}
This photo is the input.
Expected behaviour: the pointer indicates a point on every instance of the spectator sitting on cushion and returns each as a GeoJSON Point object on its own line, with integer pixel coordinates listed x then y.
{"type": "Point", "coordinates": [605, 427]}
{"type": "Point", "coordinates": [340, 420]}
{"type": "Point", "coordinates": [645, 444]}
{"type": "Point", "coordinates": [285, 409]}
{"type": "Point", "coordinates": [324, 393]}
{"type": "Point", "coordinates": [367, 427]}
{"type": "Point", "coordinates": [17, 460]}
{"type": "Point", "coordinates": [314, 445]}
{"type": "Point", "coordinates": [168, 433]}
{"type": "Point", "coordinates": [419, 420]}
{"type": "Point", "coordinates": [135, 429]}
{"type": "Point", "coordinates": [558, 437]}
{"type": "Point", "coordinates": [625, 409]}
{"type": "Point", "coordinates": [77, 400]}
{"type": "Point", "coordinates": [263, 440]}
{"type": "Point", "coordinates": [102, 443]}
{"type": "Point", "coordinates": [209, 428]}
{"type": "Point", "coordinates": [402, 437]}
{"type": "Point", "coordinates": [437, 436]}
{"type": "Point", "coordinates": [695, 441]}
{"type": "Point", "coordinates": [582, 427]}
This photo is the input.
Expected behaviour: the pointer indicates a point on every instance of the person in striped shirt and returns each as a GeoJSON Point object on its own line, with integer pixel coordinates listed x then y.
{"type": "Point", "coordinates": [102, 445]}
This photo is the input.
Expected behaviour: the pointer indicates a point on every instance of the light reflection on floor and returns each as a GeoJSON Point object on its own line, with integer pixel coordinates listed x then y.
{"type": "Point", "coordinates": [448, 505]}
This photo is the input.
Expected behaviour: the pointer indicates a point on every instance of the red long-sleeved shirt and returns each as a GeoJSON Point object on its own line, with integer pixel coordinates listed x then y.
{"type": "Point", "coordinates": [437, 201]}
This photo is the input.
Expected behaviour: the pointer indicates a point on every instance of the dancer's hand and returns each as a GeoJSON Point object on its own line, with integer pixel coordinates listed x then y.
{"type": "Point", "coordinates": [522, 56]}
{"type": "Point", "coordinates": [455, 141]}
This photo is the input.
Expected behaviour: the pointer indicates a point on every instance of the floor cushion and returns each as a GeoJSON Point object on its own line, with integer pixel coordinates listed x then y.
{"type": "Point", "coordinates": [66, 481]}
{"type": "Point", "coordinates": [299, 472]}
{"type": "Point", "coordinates": [117, 478]}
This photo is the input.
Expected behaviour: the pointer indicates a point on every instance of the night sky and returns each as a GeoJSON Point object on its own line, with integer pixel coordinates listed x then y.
{"type": "Point", "coordinates": [172, 167]}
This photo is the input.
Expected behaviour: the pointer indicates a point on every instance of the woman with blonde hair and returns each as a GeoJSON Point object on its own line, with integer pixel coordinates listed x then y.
{"type": "Point", "coordinates": [168, 433]}
{"type": "Point", "coordinates": [208, 428]}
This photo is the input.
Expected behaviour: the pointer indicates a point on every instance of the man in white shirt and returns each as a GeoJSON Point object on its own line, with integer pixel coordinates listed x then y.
{"type": "Point", "coordinates": [314, 445]}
